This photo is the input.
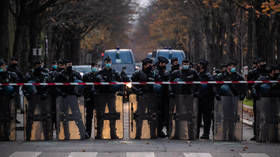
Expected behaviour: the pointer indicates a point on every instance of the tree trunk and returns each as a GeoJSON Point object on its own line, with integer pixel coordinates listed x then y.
{"type": "Point", "coordinates": [21, 47]}
{"type": "Point", "coordinates": [4, 22]}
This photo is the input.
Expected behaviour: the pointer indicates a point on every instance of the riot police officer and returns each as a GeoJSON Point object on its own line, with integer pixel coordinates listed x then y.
{"type": "Point", "coordinates": [14, 67]}
{"type": "Point", "coordinates": [106, 95]}
{"type": "Point", "coordinates": [61, 65]}
{"type": "Point", "coordinates": [164, 105]}
{"type": "Point", "coordinates": [267, 90]}
{"type": "Point", "coordinates": [231, 74]}
{"type": "Point", "coordinates": [183, 95]}
{"type": "Point", "coordinates": [89, 94]}
{"type": "Point", "coordinates": [174, 64]}
{"type": "Point", "coordinates": [53, 74]}
{"type": "Point", "coordinates": [186, 73]}
{"type": "Point", "coordinates": [38, 98]}
{"type": "Point", "coordinates": [7, 93]}
{"type": "Point", "coordinates": [146, 98]}
{"type": "Point", "coordinates": [69, 75]}
{"type": "Point", "coordinates": [257, 69]}
{"type": "Point", "coordinates": [205, 99]}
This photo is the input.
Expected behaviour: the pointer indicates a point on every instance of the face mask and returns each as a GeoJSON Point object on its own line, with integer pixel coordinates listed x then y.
{"type": "Point", "coordinates": [14, 64]}
{"type": "Point", "coordinates": [1, 70]}
{"type": "Point", "coordinates": [186, 67]}
{"type": "Point", "coordinates": [162, 67]}
{"type": "Point", "coordinates": [233, 70]}
{"type": "Point", "coordinates": [108, 65]}
{"type": "Point", "coordinates": [54, 66]}
{"type": "Point", "coordinates": [94, 69]}
{"type": "Point", "coordinates": [149, 69]}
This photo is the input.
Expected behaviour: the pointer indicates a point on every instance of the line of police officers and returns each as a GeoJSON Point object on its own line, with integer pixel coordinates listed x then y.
{"type": "Point", "coordinates": [61, 71]}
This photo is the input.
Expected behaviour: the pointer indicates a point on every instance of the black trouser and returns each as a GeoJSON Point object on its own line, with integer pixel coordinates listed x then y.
{"type": "Point", "coordinates": [53, 101]}
{"type": "Point", "coordinates": [89, 104]}
{"type": "Point", "coordinates": [44, 108]}
{"type": "Point", "coordinates": [164, 112]}
{"type": "Point", "coordinates": [101, 101]}
{"type": "Point", "coordinates": [255, 116]}
{"type": "Point", "coordinates": [149, 103]}
{"type": "Point", "coordinates": [72, 102]}
{"type": "Point", "coordinates": [5, 118]}
{"type": "Point", "coordinates": [205, 113]}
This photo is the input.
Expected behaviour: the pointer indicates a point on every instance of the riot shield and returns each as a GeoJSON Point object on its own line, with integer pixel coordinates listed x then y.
{"type": "Point", "coordinates": [144, 116]}
{"type": "Point", "coordinates": [267, 119]}
{"type": "Point", "coordinates": [183, 112]}
{"type": "Point", "coordinates": [70, 116]}
{"type": "Point", "coordinates": [7, 119]}
{"type": "Point", "coordinates": [228, 113]}
{"type": "Point", "coordinates": [38, 119]}
{"type": "Point", "coordinates": [108, 116]}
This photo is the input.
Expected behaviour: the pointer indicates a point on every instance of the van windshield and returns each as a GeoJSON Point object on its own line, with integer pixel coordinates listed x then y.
{"type": "Point", "coordinates": [164, 54]}
{"type": "Point", "coordinates": [172, 54]}
{"type": "Point", "coordinates": [179, 55]}
{"type": "Point", "coordinates": [123, 57]}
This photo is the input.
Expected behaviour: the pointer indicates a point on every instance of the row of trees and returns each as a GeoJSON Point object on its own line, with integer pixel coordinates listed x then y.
{"type": "Point", "coordinates": [62, 28]}
{"type": "Point", "coordinates": [217, 30]}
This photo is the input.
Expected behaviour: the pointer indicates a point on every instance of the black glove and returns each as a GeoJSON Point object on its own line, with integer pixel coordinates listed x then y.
{"type": "Point", "coordinates": [218, 97]}
{"type": "Point", "coordinates": [195, 94]}
{"type": "Point", "coordinates": [171, 94]}
{"type": "Point", "coordinates": [241, 97]}
{"type": "Point", "coordinates": [139, 92]}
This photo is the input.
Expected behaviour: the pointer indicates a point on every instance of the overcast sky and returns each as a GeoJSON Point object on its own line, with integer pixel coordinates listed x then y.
{"type": "Point", "coordinates": [143, 3]}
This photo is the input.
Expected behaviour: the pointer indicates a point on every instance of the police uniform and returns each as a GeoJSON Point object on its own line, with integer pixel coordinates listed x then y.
{"type": "Point", "coordinates": [205, 101]}
{"type": "Point", "coordinates": [163, 75]}
{"type": "Point", "coordinates": [38, 97]}
{"type": "Point", "coordinates": [7, 116]}
{"type": "Point", "coordinates": [147, 99]}
{"type": "Point", "coordinates": [106, 95]}
{"type": "Point", "coordinates": [70, 92]}
{"type": "Point", "coordinates": [89, 94]}
{"type": "Point", "coordinates": [183, 106]}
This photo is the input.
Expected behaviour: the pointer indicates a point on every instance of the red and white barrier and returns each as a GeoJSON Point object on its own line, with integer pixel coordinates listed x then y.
{"type": "Point", "coordinates": [138, 83]}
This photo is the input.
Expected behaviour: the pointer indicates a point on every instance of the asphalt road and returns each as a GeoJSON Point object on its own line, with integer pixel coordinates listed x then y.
{"type": "Point", "coordinates": [137, 148]}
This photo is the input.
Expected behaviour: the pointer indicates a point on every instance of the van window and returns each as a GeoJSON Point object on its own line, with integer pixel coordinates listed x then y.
{"type": "Point", "coordinates": [164, 54]}
{"type": "Point", "coordinates": [124, 57]}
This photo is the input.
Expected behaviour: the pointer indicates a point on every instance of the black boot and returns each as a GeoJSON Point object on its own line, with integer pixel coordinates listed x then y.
{"type": "Point", "coordinates": [205, 137]}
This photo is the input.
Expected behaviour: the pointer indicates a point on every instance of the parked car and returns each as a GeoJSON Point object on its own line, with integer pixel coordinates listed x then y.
{"type": "Point", "coordinates": [82, 69]}
{"type": "Point", "coordinates": [121, 58]}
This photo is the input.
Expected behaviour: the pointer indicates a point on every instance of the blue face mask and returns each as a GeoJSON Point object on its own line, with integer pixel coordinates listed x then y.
{"type": "Point", "coordinates": [108, 65]}
{"type": "Point", "coordinates": [94, 69]}
{"type": "Point", "coordinates": [54, 66]}
{"type": "Point", "coordinates": [186, 67]}
{"type": "Point", "coordinates": [233, 70]}
{"type": "Point", "coordinates": [1, 70]}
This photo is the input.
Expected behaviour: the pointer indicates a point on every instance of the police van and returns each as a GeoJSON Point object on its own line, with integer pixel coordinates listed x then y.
{"type": "Point", "coordinates": [169, 54]}
{"type": "Point", "coordinates": [122, 59]}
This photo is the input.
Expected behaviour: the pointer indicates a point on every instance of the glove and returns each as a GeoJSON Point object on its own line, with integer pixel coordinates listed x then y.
{"type": "Point", "coordinates": [120, 93]}
{"type": "Point", "coordinates": [218, 97]}
{"type": "Point", "coordinates": [139, 92]}
{"type": "Point", "coordinates": [241, 97]}
{"type": "Point", "coordinates": [171, 94]}
{"type": "Point", "coordinates": [195, 94]}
